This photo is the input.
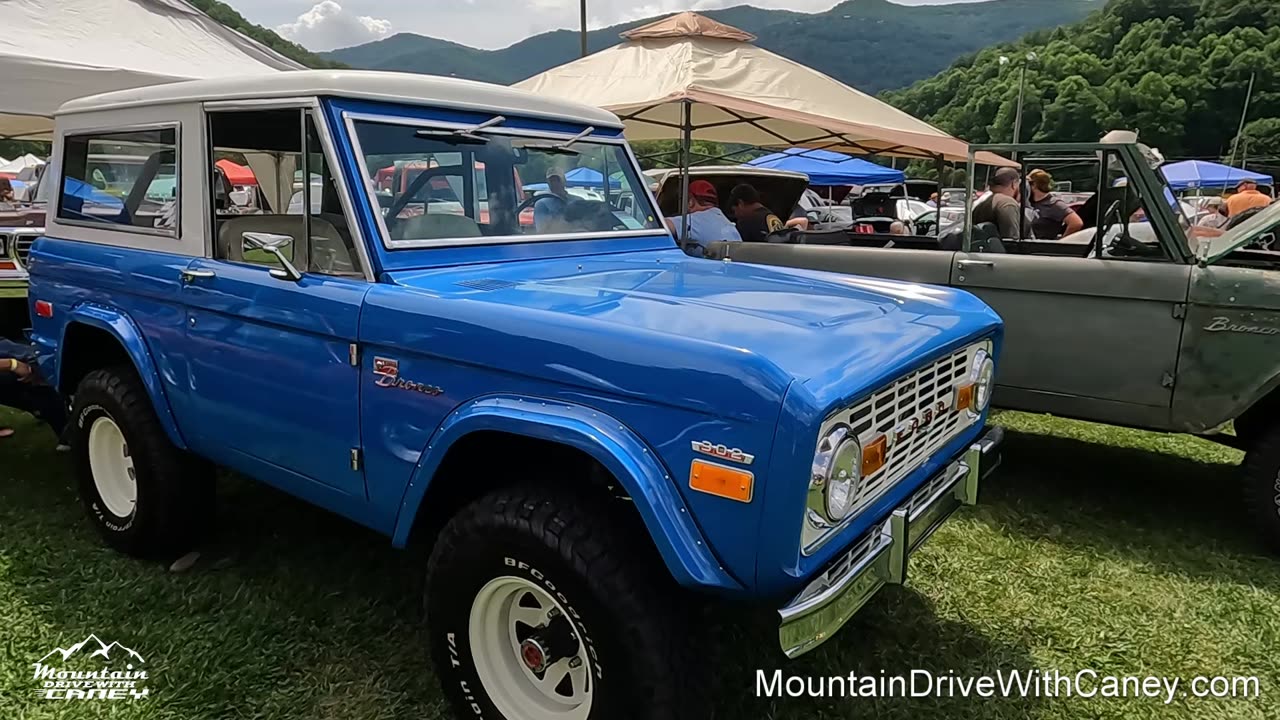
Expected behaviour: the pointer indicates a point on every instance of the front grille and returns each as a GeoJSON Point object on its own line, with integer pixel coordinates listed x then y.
{"type": "Point", "coordinates": [19, 243]}
{"type": "Point", "coordinates": [895, 409]}
{"type": "Point", "coordinates": [23, 243]}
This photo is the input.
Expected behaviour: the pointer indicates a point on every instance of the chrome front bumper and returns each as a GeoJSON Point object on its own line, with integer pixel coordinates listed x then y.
{"type": "Point", "coordinates": [13, 288]}
{"type": "Point", "coordinates": [879, 557]}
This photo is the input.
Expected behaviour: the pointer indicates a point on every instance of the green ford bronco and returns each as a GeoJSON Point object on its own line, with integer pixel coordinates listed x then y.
{"type": "Point", "coordinates": [1145, 318]}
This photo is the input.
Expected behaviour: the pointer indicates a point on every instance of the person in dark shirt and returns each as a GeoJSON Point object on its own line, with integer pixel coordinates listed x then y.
{"type": "Point", "coordinates": [1054, 217]}
{"type": "Point", "coordinates": [23, 388]}
{"type": "Point", "coordinates": [1003, 209]}
{"type": "Point", "coordinates": [755, 221]}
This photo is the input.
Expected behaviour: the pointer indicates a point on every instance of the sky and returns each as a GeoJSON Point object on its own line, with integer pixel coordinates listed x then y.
{"type": "Point", "coordinates": [321, 25]}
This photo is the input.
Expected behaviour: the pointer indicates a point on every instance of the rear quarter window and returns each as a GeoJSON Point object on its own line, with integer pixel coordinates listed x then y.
{"type": "Point", "coordinates": [122, 180]}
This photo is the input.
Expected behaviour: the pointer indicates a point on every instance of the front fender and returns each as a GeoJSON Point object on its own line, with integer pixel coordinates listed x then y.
{"type": "Point", "coordinates": [678, 539]}
{"type": "Point", "coordinates": [130, 338]}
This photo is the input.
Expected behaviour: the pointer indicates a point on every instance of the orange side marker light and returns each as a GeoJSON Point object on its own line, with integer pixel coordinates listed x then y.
{"type": "Point", "coordinates": [721, 481]}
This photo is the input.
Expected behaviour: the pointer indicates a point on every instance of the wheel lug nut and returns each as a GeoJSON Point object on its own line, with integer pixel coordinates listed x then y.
{"type": "Point", "coordinates": [575, 663]}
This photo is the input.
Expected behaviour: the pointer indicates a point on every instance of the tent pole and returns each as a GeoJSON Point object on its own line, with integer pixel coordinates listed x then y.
{"type": "Point", "coordinates": [686, 160]}
{"type": "Point", "coordinates": [937, 208]}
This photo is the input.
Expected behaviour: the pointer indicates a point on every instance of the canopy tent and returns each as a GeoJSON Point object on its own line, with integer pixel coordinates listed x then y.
{"type": "Point", "coordinates": [54, 50]}
{"type": "Point", "coordinates": [587, 177]}
{"type": "Point", "coordinates": [828, 168]}
{"type": "Point", "coordinates": [1193, 174]}
{"type": "Point", "coordinates": [692, 78]}
{"type": "Point", "coordinates": [236, 173]}
{"type": "Point", "coordinates": [17, 165]}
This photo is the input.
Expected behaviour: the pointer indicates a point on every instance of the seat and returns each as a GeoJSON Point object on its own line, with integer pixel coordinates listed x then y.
{"type": "Point", "coordinates": [436, 226]}
{"type": "Point", "coordinates": [328, 252]}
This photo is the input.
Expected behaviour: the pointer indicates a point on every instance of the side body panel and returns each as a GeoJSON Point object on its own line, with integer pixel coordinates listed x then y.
{"type": "Point", "coordinates": [1230, 355]}
{"type": "Point", "coordinates": [1096, 339]}
{"type": "Point", "coordinates": [462, 350]}
{"type": "Point", "coordinates": [132, 293]}
{"type": "Point", "coordinates": [270, 371]}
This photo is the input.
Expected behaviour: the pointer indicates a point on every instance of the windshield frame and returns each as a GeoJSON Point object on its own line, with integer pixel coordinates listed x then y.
{"type": "Point", "coordinates": [350, 119]}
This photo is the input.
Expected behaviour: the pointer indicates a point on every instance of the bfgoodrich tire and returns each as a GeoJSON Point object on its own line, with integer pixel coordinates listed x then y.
{"type": "Point", "coordinates": [1262, 486]}
{"type": "Point", "coordinates": [145, 497]}
{"type": "Point", "coordinates": [541, 607]}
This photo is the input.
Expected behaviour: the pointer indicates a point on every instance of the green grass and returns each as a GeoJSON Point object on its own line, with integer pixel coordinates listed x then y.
{"type": "Point", "coordinates": [1094, 547]}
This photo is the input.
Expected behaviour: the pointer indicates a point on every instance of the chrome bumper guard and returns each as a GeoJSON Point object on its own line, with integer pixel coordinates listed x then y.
{"type": "Point", "coordinates": [879, 558]}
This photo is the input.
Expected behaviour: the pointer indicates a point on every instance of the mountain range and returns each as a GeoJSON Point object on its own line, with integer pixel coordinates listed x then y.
{"type": "Point", "coordinates": [873, 45]}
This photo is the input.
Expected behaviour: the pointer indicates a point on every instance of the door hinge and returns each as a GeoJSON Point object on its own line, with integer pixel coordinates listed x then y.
{"type": "Point", "coordinates": [353, 354]}
{"type": "Point", "coordinates": [1179, 311]}
{"type": "Point", "coordinates": [1166, 380]}
{"type": "Point", "coordinates": [355, 459]}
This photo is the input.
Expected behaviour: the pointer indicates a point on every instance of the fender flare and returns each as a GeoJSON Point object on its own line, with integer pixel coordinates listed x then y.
{"type": "Point", "coordinates": [126, 332]}
{"type": "Point", "coordinates": [616, 447]}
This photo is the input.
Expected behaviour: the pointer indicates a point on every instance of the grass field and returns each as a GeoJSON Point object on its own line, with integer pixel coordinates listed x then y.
{"type": "Point", "coordinates": [1093, 548]}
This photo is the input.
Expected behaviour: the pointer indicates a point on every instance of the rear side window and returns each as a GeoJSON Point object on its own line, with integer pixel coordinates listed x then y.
{"type": "Point", "coordinates": [124, 180]}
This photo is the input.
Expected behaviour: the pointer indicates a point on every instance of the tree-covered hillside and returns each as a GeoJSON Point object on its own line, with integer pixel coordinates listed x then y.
{"type": "Point", "coordinates": [234, 20]}
{"type": "Point", "coordinates": [1175, 70]}
{"type": "Point", "coordinates": [870, 44]}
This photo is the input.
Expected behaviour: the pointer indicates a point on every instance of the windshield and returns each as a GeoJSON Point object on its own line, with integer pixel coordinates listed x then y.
{"type": "Point", "coordinates": [435, 187]}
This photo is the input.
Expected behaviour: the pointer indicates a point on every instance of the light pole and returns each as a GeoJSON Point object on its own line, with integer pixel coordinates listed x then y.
{"type": "Point", "coordinates": [1022, 92]}
{"type": "Point", "coordinates": [582, 28]}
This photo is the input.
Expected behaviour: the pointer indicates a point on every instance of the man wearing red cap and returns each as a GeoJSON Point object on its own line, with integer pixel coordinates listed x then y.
{"type": "Point", "coordinates": [707, 223]}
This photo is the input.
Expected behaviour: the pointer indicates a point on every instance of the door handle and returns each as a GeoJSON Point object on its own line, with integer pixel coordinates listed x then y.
{"type": "Point", "coordinates": [975, 263]}
{"type": "Point", "coordinates": [190, 276]}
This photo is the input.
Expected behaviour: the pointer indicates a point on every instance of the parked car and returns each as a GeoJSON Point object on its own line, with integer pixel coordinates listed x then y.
{"type": "Point", "coordinates": [665, 424]}
{"type": "Point", "coordinates": [20, 224]}
{"type": "Point", "coordinates": [1140, 320]}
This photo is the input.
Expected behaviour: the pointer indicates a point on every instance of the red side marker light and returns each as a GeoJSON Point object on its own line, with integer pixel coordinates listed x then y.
{"type": "Point", "coordinates": [44, 309]}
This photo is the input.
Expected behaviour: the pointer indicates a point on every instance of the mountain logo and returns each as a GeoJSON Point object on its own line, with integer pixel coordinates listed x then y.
{"type": "Point", "coordinates": [98, 648]}
{"type": "Point", "coordinates": [105, 680]}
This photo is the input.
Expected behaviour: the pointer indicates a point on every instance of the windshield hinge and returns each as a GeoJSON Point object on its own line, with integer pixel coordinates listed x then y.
{"type": "Point", "coordinates": [355, 459]}
{"type": "Point", "coordinates": [1167, 380]}
{"type": "Point", "coordinates": [1179, 311]}
{"type": "Point", "coordinates": [353, 354]}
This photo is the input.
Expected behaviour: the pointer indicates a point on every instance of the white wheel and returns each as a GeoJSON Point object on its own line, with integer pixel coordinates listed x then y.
{"type": "Point", "coordinates": [112, 467]}
{"type": "Point", "coordinates": [528, 654]}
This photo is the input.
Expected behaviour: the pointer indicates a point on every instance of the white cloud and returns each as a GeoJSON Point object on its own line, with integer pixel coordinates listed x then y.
{"type": "Point", "coordinates": [327, 26]}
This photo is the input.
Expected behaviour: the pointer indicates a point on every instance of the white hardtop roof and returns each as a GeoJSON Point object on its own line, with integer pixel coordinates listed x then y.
{"type": "Point", "coordinates": [406, 88]}
{"type": "Point", "coordinates": [661, 174]}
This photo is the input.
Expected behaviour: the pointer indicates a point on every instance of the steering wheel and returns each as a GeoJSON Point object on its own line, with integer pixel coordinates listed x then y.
{"type": "Point", "coordinates": [1113, 209]}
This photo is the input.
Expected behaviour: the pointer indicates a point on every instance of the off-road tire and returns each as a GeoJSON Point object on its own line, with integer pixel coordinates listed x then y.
{"type": "Point", "coordinates": [1262, 485]}
{"type": "Point", "coordinates": [629, 613]}
{"type": "Point", "coordinates": [174, 496]}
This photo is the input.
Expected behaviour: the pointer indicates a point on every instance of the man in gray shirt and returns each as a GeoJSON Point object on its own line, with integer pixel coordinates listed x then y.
{"type": "Point", "coordinates": [1003, 208]}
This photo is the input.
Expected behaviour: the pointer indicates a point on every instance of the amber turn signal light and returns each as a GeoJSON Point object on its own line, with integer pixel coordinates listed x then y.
{"type": "Point", "coordinates": [874, 455]}
{"type": "Point", "coordinates": [964, 396]}
{"type": "Point", "coordinates": [722, 481]}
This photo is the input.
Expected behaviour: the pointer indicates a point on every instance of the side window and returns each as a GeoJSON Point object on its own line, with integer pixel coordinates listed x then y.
{"type": "Point", "coordinates": [127, 178]}
{"type": "Point", "coordinates": [272, 183]}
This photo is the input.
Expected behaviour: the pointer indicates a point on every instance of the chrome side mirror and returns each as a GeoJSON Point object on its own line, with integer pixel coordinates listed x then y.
{"type": "Point", "coordinates": [273, 243]}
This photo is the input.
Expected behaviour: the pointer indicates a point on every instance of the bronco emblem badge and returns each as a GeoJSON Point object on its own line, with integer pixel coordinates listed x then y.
{"type": "Point", "coordinates": [387, 372]}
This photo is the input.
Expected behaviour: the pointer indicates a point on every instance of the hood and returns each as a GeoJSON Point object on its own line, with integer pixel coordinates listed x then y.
{"type": "Point", "coordinates": [838, 334]}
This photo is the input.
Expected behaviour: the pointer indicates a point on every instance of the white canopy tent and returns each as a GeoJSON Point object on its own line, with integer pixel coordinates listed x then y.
{"type": "Point", "coordinates": [17, 165]}
{"type": "Point", "coordinates": [54, 50]}
{"type": "Point", "coordinates": [689, 77]}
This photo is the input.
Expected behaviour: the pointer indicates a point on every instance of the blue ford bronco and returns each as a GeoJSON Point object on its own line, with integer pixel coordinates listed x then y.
{"type": "Point", "coordinates": [413, 320]}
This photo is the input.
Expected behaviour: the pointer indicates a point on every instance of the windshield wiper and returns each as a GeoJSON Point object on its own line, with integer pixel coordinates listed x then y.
{"type": "Point", "coordinates": [563, 148]}
{"type": "Point", "coordinates": [467, 134]}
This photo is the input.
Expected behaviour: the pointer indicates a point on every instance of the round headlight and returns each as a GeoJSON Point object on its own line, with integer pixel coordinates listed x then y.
{"type": "Point", "coordinates": [837, 469]}
{"type": "Point", "coordinates": [983, 380]}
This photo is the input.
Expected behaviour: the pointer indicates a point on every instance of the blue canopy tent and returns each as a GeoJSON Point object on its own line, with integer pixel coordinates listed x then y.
{"type": "Point", "coordinates": [1193, 174]}
{"type": "Point", "coordinates": [828, 168]}
{"type": "Point", "coordinates": [586, 177]}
